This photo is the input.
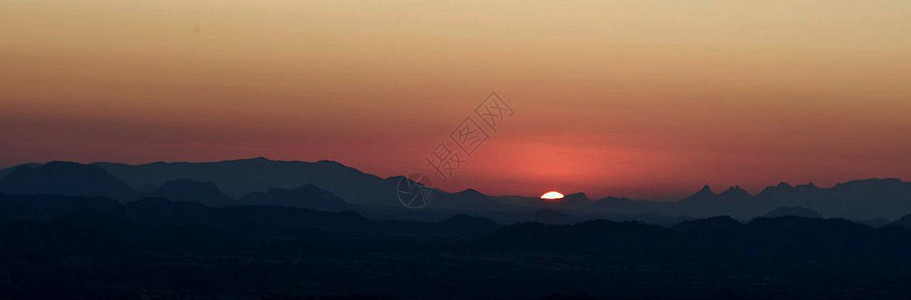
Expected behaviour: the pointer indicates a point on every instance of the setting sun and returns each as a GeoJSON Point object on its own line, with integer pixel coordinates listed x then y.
{"type": "Point", "coordinates": [552, 195]}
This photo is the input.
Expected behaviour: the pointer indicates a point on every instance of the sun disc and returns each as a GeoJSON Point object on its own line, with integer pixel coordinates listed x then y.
{"type": "Point", "coordinates": [552, 195]}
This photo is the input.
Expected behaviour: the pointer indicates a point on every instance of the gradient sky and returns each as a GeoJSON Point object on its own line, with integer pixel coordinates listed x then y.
{"type": "Point", "coordinates": [648, 99]}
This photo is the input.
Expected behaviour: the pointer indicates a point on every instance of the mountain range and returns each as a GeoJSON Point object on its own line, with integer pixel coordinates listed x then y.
{"type": "Point", "coordinates": [82, 231]}
{"type": "Point", "coordinates": [328, 185]}
{"type": "Point", "coordinates": [77, 247]}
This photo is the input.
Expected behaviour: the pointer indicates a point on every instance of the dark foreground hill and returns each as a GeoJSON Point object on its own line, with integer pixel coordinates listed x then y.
{"type": "Point", "coordinates": [92, 248]}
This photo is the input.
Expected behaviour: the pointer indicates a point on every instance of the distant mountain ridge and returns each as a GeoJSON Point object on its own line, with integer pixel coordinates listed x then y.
{"type": "Point", "coordinates": [159, 245]}
{"type": "Point", "coordinates": [859, 199]}
{"type": "Point", "coordinates": [237, 178]}
{"type": "Point", "coordinates": [65, 178]}
{"type": "Point", "coordinates": [181, 190]}
{"type": "Point", "coordinates": [308, 196]}
{"type": "Point", "coordinates": [796, 211]}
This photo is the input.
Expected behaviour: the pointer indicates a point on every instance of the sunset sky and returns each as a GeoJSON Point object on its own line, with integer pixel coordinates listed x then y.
{"type": "Point", "coordinates": [647, 99]}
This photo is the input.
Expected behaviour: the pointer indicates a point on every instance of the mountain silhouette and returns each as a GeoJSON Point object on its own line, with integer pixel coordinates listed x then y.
{"type": "Point", "coordinates": [904, 222]}
{"type": "Point", "coordinates": [65, 178]}
{"type": "Point", "coordinates": [60, 246]}
{"type": "Point", "coordinates": [308, 196]}
{"type": "Point", "coordinates": [48, 207]}
{"type": "Point", "coordinates": [859, 200]}
{"type": "Point", "coordinates": [238, 178]}
{"type": "Point", "coordinates": [188, 190]}
{"type": "Point", "coordinates": [6, 171]}
{"type": "Point", "coordinates": [735, 193]}
{"type": "Point", "coordinates": [780, 190]}
{"type": "Point", "coordinates": [462, 222]}
{"type": "Point", "coordinates": [796, 211]}
{"type": "Point", "coordinates": [713, 224]}
{"type": "Point", "coordinates": [469, 199]}
{"type": "Point", "coordinates": [704, 194]}
{"type": "Point", "coordinates": [867, 199]}
{"type": "Point", "coordinates": [575, 200]}
{"type": "Point", "coordinates": [159, 211]}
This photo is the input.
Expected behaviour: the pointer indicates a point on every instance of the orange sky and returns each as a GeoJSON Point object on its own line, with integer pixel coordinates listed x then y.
{"type": "Point", "coordinates": [631, 98]}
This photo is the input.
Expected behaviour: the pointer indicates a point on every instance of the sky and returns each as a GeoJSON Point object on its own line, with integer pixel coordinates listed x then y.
{"type": "Point", "coordinates": [645, 99]}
